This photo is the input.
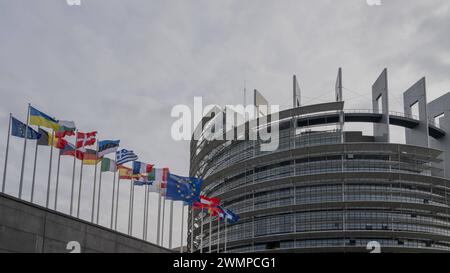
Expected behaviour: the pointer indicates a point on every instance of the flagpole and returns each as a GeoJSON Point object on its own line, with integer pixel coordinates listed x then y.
{"type": "Point", "coordinates": [50, 169]}
{"type": "Point", "coordinates": [95, 184]}
{"type": "Point", "coordinates": [218, 234]}
{"type": "Point", "coordinates": [24, 152]}
{"type": "Point", "coordinates": [73, 172]}
{"type": "Point", "coordinates": [210, 232]}
{"type": "Point", "coordinates": [145, 211]}
{"type": "Point", "coordinates": [79, 189]}
{"type": "Point", "coordinates": [117, 202]}
{"type": "Point", "coordinates": [192, 229]}
{"type": "Point", "coordinates": [57, 181]}
{"type": "Point", "coordinates": [201, 232]}
{"type": "Point", "coordinates": [158, 228]}
{"type": "Point", "coordinates": [99, 195]}
{"type": "Point", "coordinates": [130, 208]}
{"type": "Point", "coordinates": [34, 170]}
{"type": "Point", "coordinates": [171, 224]}
{"type": "Point", "coordinates": [112, 201]}
{"type": "Point", "coordinates": [182, 226]}
{"type": "Point", "coordinates": [6, 154]}
{"type": "Point", "coordinates": [225, 237]}
{"type": "Point", "coordinates": [162, 222]}
{"type": "Point", "coordinates": [146, 215]}
{"type": "Point", "coordinates": [132, 211]}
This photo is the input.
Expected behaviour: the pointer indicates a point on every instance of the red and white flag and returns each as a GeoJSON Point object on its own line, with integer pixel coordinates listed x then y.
{"type": "Point", "coordinates": [206, 202]}
{"type": "Point", "coordinates": [86, 139]}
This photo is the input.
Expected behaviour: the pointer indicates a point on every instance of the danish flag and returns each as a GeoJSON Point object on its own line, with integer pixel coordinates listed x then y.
{"type": "Point", "coordinates": [86, 139]}
{"type": "Point", "coordinates": [206, 202]}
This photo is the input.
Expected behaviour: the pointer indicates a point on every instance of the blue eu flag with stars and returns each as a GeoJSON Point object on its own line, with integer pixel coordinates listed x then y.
{"type": "Point", "coordinates": [185, 189]}
{"type": "Point", "coordinates": [18, 129]}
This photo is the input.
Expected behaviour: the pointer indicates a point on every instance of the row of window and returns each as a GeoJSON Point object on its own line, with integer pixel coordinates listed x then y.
{"type": "Point", "coordinates": [333, 193]}
{"type": "Point", "coordinates": [334, 220]}
{"type": "Point", "coordinates": [244, 150]}
{"type": "Point", "coordinates": [286, 169]}
{"type": "Point", "coordinates": [406, 243]}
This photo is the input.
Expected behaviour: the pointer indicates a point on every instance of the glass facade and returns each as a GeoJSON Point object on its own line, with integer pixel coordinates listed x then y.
{"type": "Point", "coordinates": [328, 195]}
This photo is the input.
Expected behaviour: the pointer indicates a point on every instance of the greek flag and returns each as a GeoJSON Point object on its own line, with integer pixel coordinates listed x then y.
{"type": "Point", "coordinates": [123, 156]}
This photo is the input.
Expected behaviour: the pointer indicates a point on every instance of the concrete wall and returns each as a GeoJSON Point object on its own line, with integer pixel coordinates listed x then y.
{"type": "Point", "coordinates": [417, 94]}
{"type": "Point", "coordinates": [435, 108]}
{"type": "Point", "coordinates": [380, 91]}
{"type": "Point", "coordinates": [25, 227]}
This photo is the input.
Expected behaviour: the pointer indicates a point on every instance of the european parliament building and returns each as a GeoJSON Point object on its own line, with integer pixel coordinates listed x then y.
{"type": "Point", "coordinates": [333, 190]}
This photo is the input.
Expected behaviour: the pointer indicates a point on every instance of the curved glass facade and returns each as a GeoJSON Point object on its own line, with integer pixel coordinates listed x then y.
{"type": "Point", "coordinates": [318, 193]}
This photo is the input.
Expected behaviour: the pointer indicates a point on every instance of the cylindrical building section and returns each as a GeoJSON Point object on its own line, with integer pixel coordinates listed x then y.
{"type": "Point", "coordinates": [323, 190]}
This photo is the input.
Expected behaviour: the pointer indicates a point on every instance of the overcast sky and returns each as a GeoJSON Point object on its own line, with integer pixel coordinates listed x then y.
{"type": "Point", "coordinates": [119, 66]}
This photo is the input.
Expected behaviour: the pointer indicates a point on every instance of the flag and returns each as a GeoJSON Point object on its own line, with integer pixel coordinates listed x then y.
{"type": "Point", "coordinates": [107, 146]}
{"type": "Point", "coordinates": [126, 173]}
{"type": "Point", "coordinates": [185, 189]}
{"type": "Point", "coordinates": [156, 186]}
{"type": "Point", "coordinates": [18, 129]}
{"type": "Point", "coordinates": [89, 157]}
{"type": "Point", "coordinates": [46, 140]}
{"type": "Point", "coordinates": [66, 128]}
{"type": "Point", "coordinates": [206, 202]}
{"type": "Point", "coordinates": [139, 167]}
{"type": "Point", "coordinates": [86, 139]}
{"type": "Point", "coordinates": [60, 143]}
{"type": "Point", "coordinates": [139, 183]}
{"type": "Point", "coordinates": [229, 215]}
{"type": "Point", "coordinates": [159, 175]}
{"type": "Point", "coordinates": [215, 211]}
{"type": "Point", "coordinates": [41, 119]}
{"type": "Point", "coordinates": [123, 156]}
{"type": "Point", "coordinates": [69, 149]}
{"type": "Point", "coordinates": [108, 165]}
{"type": "Point", "coordinates": [153, 186]}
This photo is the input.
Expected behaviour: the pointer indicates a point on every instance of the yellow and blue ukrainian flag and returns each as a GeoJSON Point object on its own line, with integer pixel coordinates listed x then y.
{"type": "Point", "coordinates": [41, 119]}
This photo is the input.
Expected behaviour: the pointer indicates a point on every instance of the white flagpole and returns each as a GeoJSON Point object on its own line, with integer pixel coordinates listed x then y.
{"type": "Point", "coordinates": [218, 234]}
{"type": "Point", "coordinates": [210, 232]}
{"type": "Point", "coordinates": [162, 220]}
{"type": "Point", "coordinates": [73, 172]}
{"type": "Point", "coordinates": [171, 224]}
{"type": "Point", "coordinates": [6, 154]}
{"type": "Point", "coordinates": [24, 152]}
{"type": "Point", "coordinates": [130, 213]}
{"type": "Point", "coordinates": [99, 195]}
{"type": "Point", "coordinates": [146, 215]}
{"type": "Point", "coordinates": [182, 226]}
{"type": "Point", "coordinates": [79, 189]}
{"type": "Point", "coordinates": [95, 185]}
{"type": "Point", "coordinates": [57, 181]}
{"type": "Point", "coordinates": [158, 228]}
{"type": "Point", "coordinates": [112, 201]}
{"type": "Point", "coordinates": [129, 207]}
{"type": "Point", "coordinates": [225, 237]}
{"type": "Point", "coordinates": [201, 232]}
{"type": "Point", "coordinates": [117, 202]}
{"type": "Point", "coordinates": [192, 229]}
{"type": "Point", "coordinates": [50, 169]}
{"type": "Point", "coordinates": [145, 211]}
{"type": "Point", "coordinates": [34, 170]}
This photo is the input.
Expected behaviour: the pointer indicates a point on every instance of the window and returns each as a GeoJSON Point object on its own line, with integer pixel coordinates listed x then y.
{"type": "Point", "coordinates": [415, 110]}
{"type": "Point", "coordinates": [437, 120]}
{"type": "Point", "coordinates": [379, 107]}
